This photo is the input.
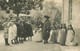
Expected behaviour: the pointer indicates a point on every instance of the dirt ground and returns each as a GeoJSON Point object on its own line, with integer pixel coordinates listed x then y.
{"type": "Point", "coordinates": [34, 46]}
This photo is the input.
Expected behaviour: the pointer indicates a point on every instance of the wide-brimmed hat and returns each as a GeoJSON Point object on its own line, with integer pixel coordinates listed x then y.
{"type": "Point", "coordinates": [46, 16]}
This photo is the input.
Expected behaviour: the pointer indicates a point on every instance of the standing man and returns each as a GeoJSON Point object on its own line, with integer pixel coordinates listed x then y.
{"type": "Point", "coordinates": [46, 29]}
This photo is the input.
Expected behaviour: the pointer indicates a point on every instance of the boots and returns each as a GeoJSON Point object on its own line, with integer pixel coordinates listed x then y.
{"type": "Point", "coordinates": [6, 41]}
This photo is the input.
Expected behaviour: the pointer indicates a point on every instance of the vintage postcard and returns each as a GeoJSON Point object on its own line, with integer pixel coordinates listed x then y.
{"type": "Point", "coordinates": [39, 25]}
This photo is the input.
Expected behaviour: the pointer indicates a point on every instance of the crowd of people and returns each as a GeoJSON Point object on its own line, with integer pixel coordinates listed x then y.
{"type": "Point", "coordinates": [16, 31]}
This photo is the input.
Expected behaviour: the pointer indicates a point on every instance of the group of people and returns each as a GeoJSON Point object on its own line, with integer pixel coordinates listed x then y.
{"type": "Point", "coordinates": [17, 32]}
{"type": "Point", "coordinates": [60, 35]}
{"type": "Point", "coordinates": [63, 35]}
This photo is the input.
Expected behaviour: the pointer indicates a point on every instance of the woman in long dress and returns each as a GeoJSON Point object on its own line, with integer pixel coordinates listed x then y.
{"type": "Point", "coordinates": [18, 31]}
{"type": "Point", "coordinates": [63, 35]}
{"type": "Point", "coordinates": [70, 40]}
{"type": "Point", "coordinates": [12, 32]}
{"type": "Point", "coordinates": [54, 35]}
{"type": "Point", "coordinates": [21, 33]}
{"type": "Point", "coordinates": [38, 30]}
{"type": "Point", "coordinates": [29, 31]}
{"type": "Point", "coordinates": [59, 34]}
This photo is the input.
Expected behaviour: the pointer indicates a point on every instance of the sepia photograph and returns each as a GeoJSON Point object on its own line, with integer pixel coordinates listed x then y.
{"type": "Point", "coordinates": [39, 25]}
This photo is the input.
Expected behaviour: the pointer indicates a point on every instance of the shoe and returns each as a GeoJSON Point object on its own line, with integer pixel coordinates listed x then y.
{"type": "Point", "coordinates": [58, 43]}
{"type": "Point", "coordinates": [13, 43]}
{"type": "Point", "coordinates": [40, 41]}
{"type": "Point", "coordinates": [63, 45]}
{"type": "Point", "coordinates": [45, 42]}
{"type": "Point", "coordinates": [7, 44]}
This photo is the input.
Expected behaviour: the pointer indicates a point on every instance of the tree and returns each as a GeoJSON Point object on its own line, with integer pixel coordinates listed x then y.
{"type": "Point", "coordinates": [53, 11]}
{"type": "Point", "coordinates": [50, 9]}
{"type": "Point", "coordinates": [21, 6]}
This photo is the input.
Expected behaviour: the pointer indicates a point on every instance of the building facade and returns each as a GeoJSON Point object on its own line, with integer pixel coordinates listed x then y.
{"type": "Point", "coordinates": [71, 12]}
{"type": "Point", "coordinates": [71, 15]}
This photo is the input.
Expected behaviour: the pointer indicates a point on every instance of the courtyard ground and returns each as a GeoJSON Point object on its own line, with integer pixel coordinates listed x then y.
{"type": "Point", "coordinates": [33, 46]}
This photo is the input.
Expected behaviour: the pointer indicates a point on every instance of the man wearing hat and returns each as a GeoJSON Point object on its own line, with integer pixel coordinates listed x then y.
{"type": "Point", "coordinates": [46, 29]}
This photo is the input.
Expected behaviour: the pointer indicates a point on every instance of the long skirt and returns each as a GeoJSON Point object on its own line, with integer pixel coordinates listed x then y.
{"type": "Point", "coordinates": [63, 36]}
{"type": "Point", "coordinates": [70, 40]}
{"type": "Point", "coordinates": [54, 36]}
{"type": "Point", "coordinates": [38, 35]}
{"type": "Point", "coordinates": [59, 36]}
{"type": "Point", "coordinates": [12, 33]}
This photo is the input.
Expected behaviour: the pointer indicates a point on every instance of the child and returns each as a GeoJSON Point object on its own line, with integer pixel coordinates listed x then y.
{"type": "Point", "coordinates": [54, 35]}
{"type": "Point", "coordinates": [63, 35]}
{"type": "Point", "coordinates": [59, 34]}
{"type": "Point", "coordinates": [29, 31]}
{"type": "Point", "coordinates": [70, 40]}
{"type": "Point", "coordinates": [12, 32]}
{"type": "Point", "coordinates": [38, 30]}
{"type": "Point", "coordinates": [6, 33]}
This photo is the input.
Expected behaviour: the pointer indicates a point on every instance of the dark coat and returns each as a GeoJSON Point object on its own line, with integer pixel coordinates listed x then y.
{"type": "Point", "coordinates": [29, 30]}
{"type": "Point", "coordinates": [25, 29]}
{"type": "Point", "coordinates": [18, 29]}
{"type": "Point", "coordinates": [46, 30]}
{"type": "Point", "coordinates": [22, 31]}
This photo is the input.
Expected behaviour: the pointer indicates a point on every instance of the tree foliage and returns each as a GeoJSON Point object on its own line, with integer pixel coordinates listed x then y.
{"type": "Point", "coordinates": [50, 9]}
{"type": "Point", "coordinates": [21, 6]}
